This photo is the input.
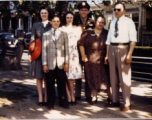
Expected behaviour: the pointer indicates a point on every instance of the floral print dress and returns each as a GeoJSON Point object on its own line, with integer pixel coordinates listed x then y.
{"type": "Point", "coordinates": [74, 33]}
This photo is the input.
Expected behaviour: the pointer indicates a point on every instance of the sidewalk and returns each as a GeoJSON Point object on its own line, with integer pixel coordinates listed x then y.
{"type": "Point", "coordinates": [18, 100]}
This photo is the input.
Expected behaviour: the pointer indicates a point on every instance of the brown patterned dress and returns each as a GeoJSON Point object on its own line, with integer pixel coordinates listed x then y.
{"type": "Point", "coordinates": [97, 72]}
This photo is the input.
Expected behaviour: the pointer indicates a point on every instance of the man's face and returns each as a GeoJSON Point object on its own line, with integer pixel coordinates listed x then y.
{"type": "Point", "coordinates": [55, 22]}
{"type": "Point", "coordinates": [119, 10]}
{"type": "Point", "coordinates": [84, 12]}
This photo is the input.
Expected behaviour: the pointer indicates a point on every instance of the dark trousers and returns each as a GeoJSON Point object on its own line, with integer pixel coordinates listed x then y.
{"type": "Point", "coordinates": [78, 88]}
{"type": "Point", "coordinates": [60, 76]}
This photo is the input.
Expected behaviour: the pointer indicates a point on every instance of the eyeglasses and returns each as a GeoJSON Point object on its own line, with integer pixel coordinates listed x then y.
{"type": "Point", "coordinates": [117, 10]}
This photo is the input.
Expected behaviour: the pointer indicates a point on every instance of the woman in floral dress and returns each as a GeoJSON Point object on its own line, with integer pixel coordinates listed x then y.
{"type": "Point", "coordinates": [75, 71]}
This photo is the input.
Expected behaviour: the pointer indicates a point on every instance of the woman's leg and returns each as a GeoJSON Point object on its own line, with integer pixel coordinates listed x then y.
{"type": "Point", "coordinates": [68, 91]}
{"type": "Point", "coordinates": [71, 85]}
{"type": "Point", "coordinates": [94, 91]}
{"type": "Point", "coordinates": [109, 93]}
{"type": "Point", "coordinates": [39, 89]}
{"type": "Point", "coordinates": [45, 94]}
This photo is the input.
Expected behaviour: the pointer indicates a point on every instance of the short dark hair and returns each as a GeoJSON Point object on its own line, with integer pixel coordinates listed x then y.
{"type": "Point", "coordinates": [98, 17]}
{"type": "Point", "coordinates": [55, 15]}
{"type": "Point", "coordinates": [64, 17]}
{"type": "Point", "coordinates": [121, 4]}
{"type": "Point", "coordinates": [46, 8]}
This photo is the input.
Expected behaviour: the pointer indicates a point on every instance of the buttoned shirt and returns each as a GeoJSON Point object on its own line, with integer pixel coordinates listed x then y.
{"type": "Point", "coordinates": [126, 31]}
{"type": "Point", "coordinates": [45, 23]}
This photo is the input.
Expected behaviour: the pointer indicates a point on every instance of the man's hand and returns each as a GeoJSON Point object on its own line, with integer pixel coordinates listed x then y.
{"type": "Point", "coordinates": [29, 57]}
{"type": "Point", "coordinates": [66, 67]}
{"type": "Point", "coordinates": [128, 59]}
{"type": "Point", "coordinates": [84, 58]}
{"type": "Point", "coordinates": [45, 69]}
{"type": "Point", "coordinates": [106, 60]}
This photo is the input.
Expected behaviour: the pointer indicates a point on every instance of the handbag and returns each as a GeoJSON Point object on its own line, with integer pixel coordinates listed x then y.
{"type": "Point", "coordinates": [35, 49]}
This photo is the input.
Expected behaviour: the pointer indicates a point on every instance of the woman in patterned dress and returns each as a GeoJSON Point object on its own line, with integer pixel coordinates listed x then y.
{"type": "Point", "coordinates": [75, 71]}
{"type": "Point", "coordinates": [93, 51]}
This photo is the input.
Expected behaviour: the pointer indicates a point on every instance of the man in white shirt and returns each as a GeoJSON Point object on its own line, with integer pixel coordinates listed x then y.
{"type": "Point", "coordinates": [121, 40]}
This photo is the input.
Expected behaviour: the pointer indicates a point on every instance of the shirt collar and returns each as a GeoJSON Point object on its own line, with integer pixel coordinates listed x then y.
{"type": "Point", "coordinates": [122, 17]}
{"type": "Point", "coordinates": [83, 20]}
{"type": "Point", "coordinates": [53, 29]}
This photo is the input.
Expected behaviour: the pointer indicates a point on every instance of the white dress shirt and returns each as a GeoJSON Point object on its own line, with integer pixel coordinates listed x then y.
{"type": "Point", "coordinates": [126, 31]}
{"type": "Point", "coordinates": [45, 23]}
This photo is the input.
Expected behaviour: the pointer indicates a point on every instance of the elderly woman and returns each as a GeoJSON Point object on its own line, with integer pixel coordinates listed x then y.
{"type": "Point", "coordinates": [93, 51]}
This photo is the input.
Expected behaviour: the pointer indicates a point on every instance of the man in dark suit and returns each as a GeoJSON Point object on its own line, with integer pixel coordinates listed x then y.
{"type": "Point", "coordinates": [81, 20]}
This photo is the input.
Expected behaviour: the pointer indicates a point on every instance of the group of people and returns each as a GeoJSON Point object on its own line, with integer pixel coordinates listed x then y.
{"type": "Point", "coordinates": [83, 43]}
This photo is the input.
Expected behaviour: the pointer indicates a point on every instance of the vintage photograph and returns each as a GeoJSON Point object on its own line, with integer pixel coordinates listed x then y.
{"type": "Point", "coordinates": [70, 59]}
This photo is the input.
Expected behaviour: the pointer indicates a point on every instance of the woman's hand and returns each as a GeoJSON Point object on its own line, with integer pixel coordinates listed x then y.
{"type": "Point", "coordinates": [84, 58]}
{"type": "Point", "coordinates": [106, 60]}
{"type": "Point", "coordinates": [29, 57]}
{"type": "Point", "coordinates": [66, 67]}
{"type": "Point", "coordinates": [45, 69]}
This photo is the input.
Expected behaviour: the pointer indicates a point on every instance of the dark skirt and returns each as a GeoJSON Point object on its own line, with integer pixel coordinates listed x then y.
{"type": "Point", "coordinates": [36, 69]}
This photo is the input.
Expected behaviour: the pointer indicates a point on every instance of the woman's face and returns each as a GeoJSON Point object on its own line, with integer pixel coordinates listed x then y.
{"type": "Point", "coordinates": [100, 23]}
{"type": "Point", "coordinates": [44, 14]}
{"type": "Point", "coordinates": [69, 19]}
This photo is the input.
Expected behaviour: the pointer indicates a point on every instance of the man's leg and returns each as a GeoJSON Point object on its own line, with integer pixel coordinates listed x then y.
{"type": "Point", "coordinates": [124, 75]}
{"type": "Point", "coordinates": [61, 83]}
{"type": "Point", "coordinates": [78, 89]}
{"type": "Point", "coordinates": [87, 90]}
{"type": "Point", "coordinates": [50, 82]}
{"type": "Point", "coordinates": [114, 80]}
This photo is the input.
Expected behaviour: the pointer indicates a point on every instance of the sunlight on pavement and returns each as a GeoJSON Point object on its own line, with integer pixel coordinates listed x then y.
{"type": "Point", "coordinates": [54, 114]}
{"type": "Point", "coordinates": [31, 109]}
{"type": "Point", "coordinates": [142, 114]}
{"type": "Point", "coordinates": [84, 112]}
{"type": "Point", "coordinates": [5, 101]}
{"type": "Point", "coordinates": [94, 108]}
{"type": "Point", "coordinates": [141, 91]}
{"type": "Point", "coordinates": [40, 109]}
{"type": "Point", "coordinates": [12, 117]}
{"type": "Point", "coordinates": [17, 81]}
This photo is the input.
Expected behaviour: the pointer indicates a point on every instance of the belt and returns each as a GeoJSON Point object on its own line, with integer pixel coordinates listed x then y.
{"type": "Point", "coordinates": [116, 44]}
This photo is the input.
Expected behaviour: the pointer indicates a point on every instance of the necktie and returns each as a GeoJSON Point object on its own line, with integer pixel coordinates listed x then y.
{"type": "Point", "coordinates": [55, 34]}
{"type": "Point", "coordinates": [116, 29]}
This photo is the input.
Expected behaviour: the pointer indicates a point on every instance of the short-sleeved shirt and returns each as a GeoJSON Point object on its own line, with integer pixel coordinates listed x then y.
{"type": "Point", "coordinates": [126, 31]}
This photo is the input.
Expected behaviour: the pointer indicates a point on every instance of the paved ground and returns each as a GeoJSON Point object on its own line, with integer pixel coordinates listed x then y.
{"type": "Point", "coordinates": [18, 100]}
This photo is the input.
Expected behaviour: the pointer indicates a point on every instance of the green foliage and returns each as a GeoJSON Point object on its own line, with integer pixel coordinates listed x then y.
{"type": "Point", "coordinates": [4, 10]}
{"type": "Point", "coordinates": [98, 12]}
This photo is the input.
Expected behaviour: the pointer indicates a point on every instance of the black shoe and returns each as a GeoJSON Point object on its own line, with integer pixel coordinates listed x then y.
{"type": "Point", "coordinates": [40, 104]}
{"type": "Point", "coordinates": [51, 107]}
{"type": "Point", "coordinates": [63, 103]}
{"type": "Point", "coordinates": [93, 102]}
{"type": "Point", "coordinates": [77, 98]}
{"type": "Point", "coordinates": [45, 104]}
{"type": "Point", "coordinates": [109, 102]}
{"type": "Point", "coordinates": [73, 103]}
{"type": "Point", "coordinates": [69, 103]}
{"type": "Point", "coordinates": [89, 99]}
{"type": "Point", "coordinates": [117, 104]}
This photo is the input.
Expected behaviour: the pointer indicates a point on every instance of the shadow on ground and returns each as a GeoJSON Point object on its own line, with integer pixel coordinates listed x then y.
{"type": "Point", "coordinates": [18, 100]}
